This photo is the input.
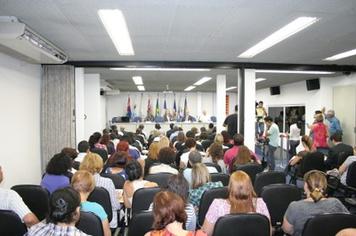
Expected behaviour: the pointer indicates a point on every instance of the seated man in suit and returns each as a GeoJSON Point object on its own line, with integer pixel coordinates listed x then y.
{"type": "Point", "coordinates": [338, 153]}
{"type": "Point", "coordinates": [10, 200]}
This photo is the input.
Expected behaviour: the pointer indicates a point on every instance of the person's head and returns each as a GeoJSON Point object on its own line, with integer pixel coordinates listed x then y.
{"type": "Point", "coordinates": [133, 170]}
{"type": "Point", "coordinates": [194, 157]}
{"type": "Point", "coordinates": [83, 146]}
{"type": "Point", "coordinates": [219, 139]}
{"type": "Point", "coordinates": [336, 137]}
{"type": "Point", "coordinates": [167, 156]}
{"type": "Point", "coordinates": [268, 120]}
{"type": "Point", "coordinates": [238, 139]}
{"type": "Point", "coordinates": [141, 126]}
{"type": "Point", "coordinates": [315, 184]}
{"type": "Point", "coordinates": [181, 136]}
{"type": "Point", "coordinates": [243, 156]}
{"type": "Point", "coordinates": [307, 142]}
{"type": "Point", "coordinates": [190, 143]}
{"type": "Point", "coordinates": [319, 118]}
{"type": "Point", "coordinates": [202, 129]}
{"type": "Point", "coordinates": [122, 146]}
{"type": "Point", "coordinates": [92, 163]}
{"type": "Point", "coordinates": [171, 125]}
{"type": "Point", "coordinates": [194, 130]}
{"type": "Point", "coordinates": [203, 135]}
{"type": "Point", "coordinates": [211, 125]}
{"type": "Point", "coordinates": [113, 128]}
{"type": "Point", "coordinates": [260, 104]}
{"type": "Point", "coordinates": [70, 152]}
{"type": "Point", "coordinates": [94, 138]}
{"type": "Point", "coordinates": [105, 139]}
{"type": "Point", "coordinates": [163, 142]}
{"type": "Point", "coordinates": [83, 182]}
{"type": "Point", "coordinates": [1, 174]}
{"type": "Point", "coordinates": [118, 159]}
{"type": "Point", "coordinates": [168, 207]}
{"type": "Point", "coordinates": [59, 164]}
{"type": "Point", "coordinates": [64, 206]}
{"type": "Point", "coordinates": [153, 150]}
{"type": "Point", "coordinates": [190, 134]}
{"type": "Point", "coordinates": [200, 175]}
{"type": "Point", "coordinates": [330, 113]}
{"type": "Point", "coordinates": [241, 193]}
{"type": "Point", "coordinates": [157, 126]}
{"type": "Point", "coordinates": [179, 185]}
{"type": "Point", "coordinates": [226, 136]}
{"type": "Point", "coordinates": [106, 131]}
{"type": "Point", "coordinates": [216, 152]}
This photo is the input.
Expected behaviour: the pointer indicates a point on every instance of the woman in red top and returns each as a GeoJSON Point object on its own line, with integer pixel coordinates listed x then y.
{"type": "Point", "coordinates": [169, 216]}
{"type": "Point", "coordinates": [320, 134]}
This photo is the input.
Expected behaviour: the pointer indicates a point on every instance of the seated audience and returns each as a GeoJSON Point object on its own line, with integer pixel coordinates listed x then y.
{"type": "Point", "coordinates": [171, 130]}
{"type": "Point", "coordinates": [242, 199]}
{"type": "Point", "coordinates": [338, 152]}
{"type": "Point", "coordinates": [94, 165]}
{"type": "Point", "coordinates": [94, 141]}
{"type": "Point", "coordinates": [316, 203]}
{"type": "Point", "coordinates": [72, 154]}
{"type": "Point", "coordinates": [116, 164]}
{"type": "Point", "coordinates": [106, 140]}
{"type": "Point", "coordinates": [135, 181]}
{"type": "Point", "coordinates": [84, 183]}
{"type": "Point", "coordinates": [64, 213]}
{"type": "Point", "coordinates": [169, 216]}
{"type": "Point", "coordinates": [345, 166]}
{"type": "Point", "coordinates": [347, 232]}
{"type": "Point", "coordinates": [179, 143]}
{"type": "Point", "coordinates": [190, 144]}
{"type": "Point", "coordinates": [163, 142]}
{"type": "Point", "coordinates": [11, 201]}
{"type": "Point", "coordinates": [57, 173]}
{"type": "Point", "coordinates": [243, 157]}
{"type": "Point", "coordinates": [152, 157]}
{"type": "Point", "coordinates": [83, 148]}
{"type": "Point", "coordinates": [216, 155]}
{"type": "Point", "coordinates": [227, 140]}
{"type": "Point", "coordinates": [166, 158]}
{"type": "Point", "coordinates": [200, 183]}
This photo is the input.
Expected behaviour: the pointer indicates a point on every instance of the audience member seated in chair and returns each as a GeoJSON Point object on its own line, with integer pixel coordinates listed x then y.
{"type": "Point", "coordinates": [316, 203]}
{"type": "Point", "coordinates": [83, 182]}
{"type": "Point", "coordinates": [343, 169]}
{"type": "Point", "coordinates": [338, 152]}
{"type": "Point", "coordinates": [215, 154]}
{"type": "Point", "coordinates": [347, 232]}
{"type": "Point", "coordinates": [64, 214]}
{"type": "Point", "coordinates": [72, 154]}
{"type": "Point", "coordinates": [166, 158]}
{"type": "Point", "coordinates": [116, 164]}
{"type": "Point", "coordinates": [242, 199]}
{"type": "Point", "coordinates": [94, 165]}
{"type": "Point", "coordinates": [57, 173]}
{"type": "Point", "coordinates": [135, 181]}
{"type": "Point", "coordinates": [10, 200]}
{"type": "Point", "coordinates": [94, 141]}
{"type": "Point", "coordinates": [84, 149]}
{"type": "Point", "coordinates": [152, 156]}
{"type": "Point", "coordinates": [169, 216]}
{"type": "Point", "coordinates": [200, 183]}
{"type": "Point", "coordinates": [243, 157]}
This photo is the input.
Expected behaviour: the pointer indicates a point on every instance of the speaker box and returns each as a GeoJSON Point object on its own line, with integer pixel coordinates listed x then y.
{"type": "Point", "coordinates": [275, 90]}
{"type": "Point", "coordinates": [313, 84]}
{"type": "Point", "coordinates": [102, 92]}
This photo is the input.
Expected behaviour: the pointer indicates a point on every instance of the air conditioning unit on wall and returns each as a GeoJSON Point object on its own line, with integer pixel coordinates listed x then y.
{"type": "Point", "coordinates": [17, 39]}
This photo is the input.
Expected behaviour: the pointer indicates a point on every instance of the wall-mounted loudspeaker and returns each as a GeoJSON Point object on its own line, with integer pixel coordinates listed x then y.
{"type": "Point", "coordinates": [102, 92]}
{"type": "Point", "coordinates": [313, 84]}
{"type": "Point", "coordinates": [275, 90]}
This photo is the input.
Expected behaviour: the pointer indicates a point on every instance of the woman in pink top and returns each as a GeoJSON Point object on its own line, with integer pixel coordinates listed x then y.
{"type": "Point", "coordinates": [242, 199]}
{"type": "Point", "coordinates": [320, 134]}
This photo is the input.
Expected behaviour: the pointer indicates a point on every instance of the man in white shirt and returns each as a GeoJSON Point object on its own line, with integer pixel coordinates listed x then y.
{"type": "Point", "coordinates": [204, 118]}
{"type": "Point", "coordinates": [272, 134]}
{"type": "Point", "coordinates": [83, 149]}
{"type": "Point", "coordinates": [11, 200]}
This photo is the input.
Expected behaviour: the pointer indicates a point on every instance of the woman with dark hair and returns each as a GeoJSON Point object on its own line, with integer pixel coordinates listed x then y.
{"type": "Point", "coordinates": [106, 140]}
{"type": "Point", "coordinates": [57, 173]}
{"type": "Point", "coordinates": [167, 159]}
{"type": "Point", "coordinates": [216, 155]}
{"type": "Point", "coordinates": [117, 162]}
{"type": "Point", "coordinates": [94, 141]}
{"type": "Point", "coordinates": [316, 203]}
{"type": "Point", "coordinates": [243, 157]}
{"type": "Point", "coordinates": [64, 213]}
{"type": "Point", "coordinates": [242, 199]}
{"type": "Point", "coordinates": [170, 216]}
{"type": "Point", "coordinates": [135, 181]}
{"type": "Point", "coordinates": [227, 139]}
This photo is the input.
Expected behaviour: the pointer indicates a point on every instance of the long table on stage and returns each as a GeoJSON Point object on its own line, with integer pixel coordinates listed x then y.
{"type": "Point", "coordinates": [186, 126]}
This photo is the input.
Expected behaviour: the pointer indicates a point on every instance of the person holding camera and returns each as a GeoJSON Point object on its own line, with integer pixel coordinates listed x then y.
{"type": "Point", "coordinates": [271, 135]}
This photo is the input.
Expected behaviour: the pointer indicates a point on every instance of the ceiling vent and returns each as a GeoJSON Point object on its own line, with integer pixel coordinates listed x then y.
{"type": "Point", "coordinates": [17, 39]}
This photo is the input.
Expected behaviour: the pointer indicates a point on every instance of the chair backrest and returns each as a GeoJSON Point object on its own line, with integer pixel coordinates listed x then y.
{"type": "Point", "coordinates": [312, 161]}
{"type": "Point", "coordinates": [251, 169]}
{"type": "Point", "coordinates": [242, 224]}
{"type": "Point", "coordinates": [101, 196]}
{"type": "Point", "coordinates": [11, 224]}
{"type": "Point", "coordinates": [277, 198]}
{"type": "Point", "coordinates": [206, 200]}
{"type": "Point", "coordinates": [35, 197]}
{"type": "Point", "coordinates": [142, 199]}
{"type": "Point", "coordinates": [213, 118]}
{"type": "Point", "coordinates": [216, 166]}
{"type": "Point", "coordinates": [140, 224]}
{"type": "Point", "coordinates": [118, 180]}
{"type": "Point", "coordinates": [90, 224]}
{"type": "Point", "coordinates": [351, 175]}
{"type": "Point", "coordinates": [267, 178]}
{"type": "Point", "coordinates": [328, 224]}
{"type": "Point", "coordinates": [160, 178]}
{"type": "Point", "coordinates": [216, 177]}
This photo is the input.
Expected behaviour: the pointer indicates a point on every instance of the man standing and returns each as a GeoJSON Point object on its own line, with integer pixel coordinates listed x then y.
{"type": "Point", "coordinates": [334, 123]}
{"type": "Point", "coordinates": [260, 114]}
{"type": "Point", "coordinates": [272, 134]}
{"type": "Point", "coordinates": [231, 123]}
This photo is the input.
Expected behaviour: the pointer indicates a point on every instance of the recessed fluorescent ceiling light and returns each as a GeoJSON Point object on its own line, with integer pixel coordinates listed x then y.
{"type": "Point", "coordinates": [231, 88]}
{"type": "Point", "coordinates": [294, 27]}
{"type": "Point", "coordinates": [189, 88]}
{"type": "Point", "coordinates": [202, 81]}
{"type": "Point", "coordinates": [341, 55]}
{"type": "Point", "coordinates": [158, 69]}
{"type": "Point", "coordinates": [137, 80]}
{"type": "Point", "coordinates": [115, 24]}
{"type": "Point", "coordinates": [295, 72]}
{"type": "Point", "coordinates": [141, 88]}
{"type": "Point", "coordinates": [259, 80]}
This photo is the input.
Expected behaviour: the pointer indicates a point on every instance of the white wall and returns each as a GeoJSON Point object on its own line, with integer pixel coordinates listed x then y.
{"type": "Point", "coordinates": [20, 84]}
{"type": "Point", "coordinates": [79, 105]}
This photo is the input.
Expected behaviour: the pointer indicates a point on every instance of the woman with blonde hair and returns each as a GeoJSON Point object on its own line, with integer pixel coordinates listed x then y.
{"type": "Point", "coordinates": [163, 142]}
{"type": "Point", "coordinates": [316, 203]}
{"type": "Point", "coordinates": [152, 157]}
{"type": "Point", "coordinates": [242, 199]}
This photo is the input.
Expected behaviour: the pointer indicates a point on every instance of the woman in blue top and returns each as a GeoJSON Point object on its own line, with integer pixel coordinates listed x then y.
{"type": "Point", "coordinates": [117, 163]}
{"type": "Point", "coordinates": [83, 182]}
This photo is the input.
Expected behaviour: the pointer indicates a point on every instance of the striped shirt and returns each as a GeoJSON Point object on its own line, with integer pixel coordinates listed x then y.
{"type": "Point", "coordinates": [50, 229]}
{"type": "Point", "coordinates": [115, 204]}
{"type": "Point", "coordinates": [11, 200]}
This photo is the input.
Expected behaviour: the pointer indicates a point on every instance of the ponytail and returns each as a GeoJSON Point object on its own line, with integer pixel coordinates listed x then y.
{"type": "Point", "coordinates": [316, 183]}
{"type": "Point", "coordinates": [317, 194]}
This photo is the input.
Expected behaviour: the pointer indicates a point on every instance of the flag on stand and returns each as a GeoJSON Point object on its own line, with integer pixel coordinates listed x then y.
{"type": "Point", "coordinates": [157, 108]}
{"type": "Point", "coordinates": [185, 107]}
{"type": "Point", "coordinates": [165, 104]}
{"type": "Point", "coordinates": [149, 108]}
{"type": "Point", "coordinates": [174, 105]}
{"type": "Point", "coordinates": [128, 113]}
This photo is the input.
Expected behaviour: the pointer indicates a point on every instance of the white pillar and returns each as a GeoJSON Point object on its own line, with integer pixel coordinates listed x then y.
{"type": "Point", "coordinates": [220, 102]}
{"type": "Point", "coordinates": [199, 111]}
{"type": "Point", "coordinates": [79, 105]}
{"type": "Point", "coordinates": [249, 107]}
